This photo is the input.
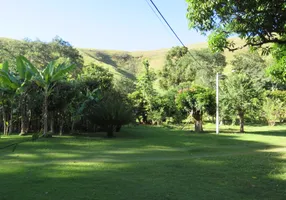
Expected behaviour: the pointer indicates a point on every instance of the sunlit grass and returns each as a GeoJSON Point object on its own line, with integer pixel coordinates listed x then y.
{"type": "Point", "coordinates": [148, 163]}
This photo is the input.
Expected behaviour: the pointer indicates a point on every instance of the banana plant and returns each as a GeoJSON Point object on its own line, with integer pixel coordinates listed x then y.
{"type": "Point", "coordinates": [47, 79]}
{"type": "Point", "coordinates": [8, 86]}
{"type": "Point", "coordinates": [26, 71]}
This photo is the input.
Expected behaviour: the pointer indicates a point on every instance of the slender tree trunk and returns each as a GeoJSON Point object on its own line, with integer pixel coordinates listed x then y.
{"type": "Point", "coordinates": [24, 121]}
{"type": "Point", "coordinates": [144, 119]}
{"type": "Point", "coordinates": [72, 127]}
{"type": "Point", "coordinates": [39, 125]}
{"type": "Point", "coordinates": [198, 121]}
{"type": "Point", "coordinates": [5, 122]}
{"type": "Point", "coordinates": [52, 123]}
{"type": "Point", "coordinates": [11, 121]}
{"type": "Point", "coordinates": [61, 127]}
{"type": "Point", "coordinates": [45, 116]}
{"type": "Point", "coordinates": [241, 122]}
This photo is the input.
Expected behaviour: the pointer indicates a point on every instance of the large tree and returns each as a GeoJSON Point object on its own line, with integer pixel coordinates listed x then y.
{"type": "Point", "coordinates": [240, 96]}
{"type": "Point", "coordinates": [199, 66]}
{"type": "Point", "coordinates": [257, 21]}
{"type": "Point", "coordinates": [195, 101]}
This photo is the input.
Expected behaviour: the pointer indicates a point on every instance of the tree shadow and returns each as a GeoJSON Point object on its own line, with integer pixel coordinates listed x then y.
{"type": "Point", "coordinates": [152, 162]}
{"type": "Point", "coordinates": [281, 133]}
{"type": "Point", "coordinates": [105, 58]}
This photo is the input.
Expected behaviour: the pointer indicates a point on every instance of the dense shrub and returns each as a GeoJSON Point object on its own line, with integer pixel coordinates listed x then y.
{"type": "Point", "coordinates": [111, 113]}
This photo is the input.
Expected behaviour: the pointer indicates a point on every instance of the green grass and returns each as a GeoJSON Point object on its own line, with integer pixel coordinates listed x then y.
{"type": "Point", "coordinates": [148, 163]}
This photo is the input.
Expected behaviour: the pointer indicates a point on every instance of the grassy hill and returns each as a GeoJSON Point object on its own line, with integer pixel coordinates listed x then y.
{"type": "Point", "coordinates": [126, 65]}
{"type": "Point", "coordinates": [129, 64]}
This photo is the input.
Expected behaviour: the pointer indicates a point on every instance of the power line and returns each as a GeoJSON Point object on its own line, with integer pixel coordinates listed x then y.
{"type": "Point", "coordinates": [164, 24]}
{"type": "Point", "coordinates": [169, 27]}
{"type": "Point", "coordinates": [167, 23]}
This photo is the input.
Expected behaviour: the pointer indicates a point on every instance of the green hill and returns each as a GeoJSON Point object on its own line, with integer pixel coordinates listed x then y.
{"type": "Point", "coordinates": [129, 64]}
{"type": "Point", "coordinates": [125, 64]}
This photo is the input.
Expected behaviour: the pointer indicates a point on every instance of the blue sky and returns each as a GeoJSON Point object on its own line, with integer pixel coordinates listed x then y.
{"type": "Point", "coordinates": [103, 24]}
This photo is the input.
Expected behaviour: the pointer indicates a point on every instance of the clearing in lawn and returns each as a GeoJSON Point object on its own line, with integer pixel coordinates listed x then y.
{"type": "Point", "coordinates": [147, 163]}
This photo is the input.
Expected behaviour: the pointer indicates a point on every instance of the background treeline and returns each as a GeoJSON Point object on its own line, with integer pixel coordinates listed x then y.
{"type": "Point", "coordinates": [47, 87]}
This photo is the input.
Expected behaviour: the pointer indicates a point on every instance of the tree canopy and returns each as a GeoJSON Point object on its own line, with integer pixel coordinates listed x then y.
{"type": "Point", "coordinates": [256, 21]}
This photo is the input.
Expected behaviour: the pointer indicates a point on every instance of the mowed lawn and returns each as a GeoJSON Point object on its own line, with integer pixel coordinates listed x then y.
{"type": "Point", "coordinates": [147, 163]}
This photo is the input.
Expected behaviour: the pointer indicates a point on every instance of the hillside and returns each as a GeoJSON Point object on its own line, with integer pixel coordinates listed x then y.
{"type": "Point", "coordinates": [125, 64]}
{"type": "Point", "coordinates": [128, 64]}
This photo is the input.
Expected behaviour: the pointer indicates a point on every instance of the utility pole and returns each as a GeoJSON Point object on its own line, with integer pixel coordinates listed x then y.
{"type": "Point", "coordinates": [217, 103]}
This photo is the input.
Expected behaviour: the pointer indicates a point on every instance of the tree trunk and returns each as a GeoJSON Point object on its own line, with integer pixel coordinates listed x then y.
{"type": "Point", "coordinates": [5, 122]}
{"type": "Point", "coordinates": [118, 128]}
{"type": "Point", "coordinates": [144, 118]}
{"type": "Point", "coordinates": [24, 121]}
{"type": "Point", "coordinates": [198, 116]}
{"type": "Point", "coordinates": [110, 131]}
{"type": "Point", "coordinates": [52, 123]}
{"type": "Point", "coordinates": [11, 121]}
{"type": "Point", "coordinates": [72, 127]}
{"type": "Point", "coordinates": [199, 126]}
{"type": "Point", "coordinates": [61, 127]}
{"type": "Point", "coordinates": [45, 116]}
{"type": "Point", "coordinates": [241, 122]}
{"type": "Point", "coordinates": [213, 119]}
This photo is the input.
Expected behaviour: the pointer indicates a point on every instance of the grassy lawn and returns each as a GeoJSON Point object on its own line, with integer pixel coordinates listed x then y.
{"type": "Point", "coordinates": [148, 163]}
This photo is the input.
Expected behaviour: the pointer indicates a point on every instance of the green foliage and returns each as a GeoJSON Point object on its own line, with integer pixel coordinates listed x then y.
{"type": "Point", "coordinates": [40, 52]}
{"type": "Point", "coordinates": [240, 96]}
{"type": "Point", "coordinates": [156, 116]}
{"type": "Point", "coordinates": [199, 66]}
{"type": "Point", "coordinates": [144, 97]}
{"type": "Point", "coordinates": [258, 22]}
{"type": "Point", "coordinates": [278, 71]}
{"type": "Point", "coordinates": [252, 65]}
{"type": "Point", "coordinates": [97, 77]}
{"type": "Point", "coordinates": [272, 108]}
{"type": "Point", "coordinates": [111, 112]}
{"type": "Point", "coordinates": [195, 101]}
{"type": "Point", "coordinates": [277, 107]}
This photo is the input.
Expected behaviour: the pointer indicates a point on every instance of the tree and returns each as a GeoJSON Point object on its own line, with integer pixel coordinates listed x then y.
{"type": "Point", "coordinates": [199, 66]}
{"type": "Point", "coordinates": [252, 65]}
{"type": "Point", "coordinates": [195, 101]}
{"type": "Point", "coordinates": [96, 77]}
{"type": "Point", "coordinates": [258, 22]}
{"type": "Point", "coordinates": [272, 110]}
{"type": "Point", "coordinates": [278, 99]}
{"type": "Point", "coordinates": [111, 112]}
{"type": "Point", "coordinates": [240, 96]}
{"type": "Point", "coordinates": [39, 52]}
{"type": "Point", "coordinates": [144, 98]}
{"type": "Point", "coordinates": [8, 86]}
{"type": "Point", "coordinates": [278, 71]}
{"type": "Point", "coordinates": [47, 79]}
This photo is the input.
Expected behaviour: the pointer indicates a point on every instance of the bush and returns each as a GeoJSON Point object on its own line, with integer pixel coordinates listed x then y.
{"type": "Point", "coordinates": [111, 113]}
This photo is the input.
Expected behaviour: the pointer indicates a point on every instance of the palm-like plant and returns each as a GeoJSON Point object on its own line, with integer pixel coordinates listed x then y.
{"type": "Point", "coordinates": [8, 86]}
{"type": "Point", "coordinates": [47, 79]}
{"type": "Point", "coordinates": [26, 71]}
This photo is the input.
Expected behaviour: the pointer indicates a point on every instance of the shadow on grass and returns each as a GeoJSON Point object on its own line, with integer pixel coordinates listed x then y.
{"type": "Point", "coordinates": [132, 166]}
